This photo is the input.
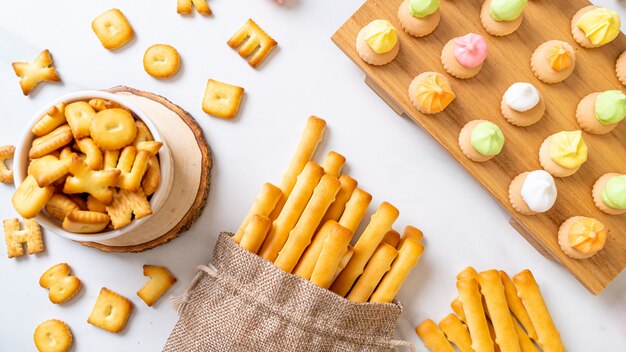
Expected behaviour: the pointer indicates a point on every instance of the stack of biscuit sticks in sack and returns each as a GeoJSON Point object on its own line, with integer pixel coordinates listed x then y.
{"type": "Point", "coordinates": [494, 313]}
{"type": "Point", "coordinates": [305, 227]}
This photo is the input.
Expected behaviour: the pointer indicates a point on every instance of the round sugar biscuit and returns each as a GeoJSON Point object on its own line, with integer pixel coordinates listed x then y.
{"type": "Point", "coordinates": [620, 68]}
{"type": "Point", "coordinates": [550, 165]}
{"type": "Point", "coordinates": [113, 129]}
{"type": "Point", "coordinates": [453, 66]}
{"type": "Point", "coordinates": [541, 67]}
{"type": "Point", "coordinates": [53, 336]}
{"type": "Point", "coordinates": [417, 27]}
{"type": "Point", "coordinates": [498, 28]}
{"type": "Point", "coordinates": [370, 56]}
{"type": "Point", "coordinates": [161, 61]}
{"type": "Point", "coordinates": [465, 143]}
{"type": "Point", "coordinates": [586, 116]}
{"type": "Point", "coordinates": [598, 190]}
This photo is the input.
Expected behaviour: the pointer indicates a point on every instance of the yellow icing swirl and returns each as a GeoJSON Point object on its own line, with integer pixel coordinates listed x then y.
{"type": "Point", "coordinates": [568, 149]}
{"type": "Point", "coordinates": [434, 93]}
{"type": "Point", "coordinates": [587, 235]}
{"type": "Point", "coordinates": [380, 35]}
{"type": "Point", "coordinates": [559, 58]}
{"type": "Point", "coordinates": [600, 25]}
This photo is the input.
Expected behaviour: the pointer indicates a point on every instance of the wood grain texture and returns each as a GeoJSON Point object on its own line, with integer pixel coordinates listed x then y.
{"type": "Point", "coordinates": [479, 98]}
{"type": "Point", "coordinates": [192, 176]}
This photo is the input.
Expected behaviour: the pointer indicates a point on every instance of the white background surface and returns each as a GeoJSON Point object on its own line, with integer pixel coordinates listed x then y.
{"type": "Point", "coordinates": [391, 157]}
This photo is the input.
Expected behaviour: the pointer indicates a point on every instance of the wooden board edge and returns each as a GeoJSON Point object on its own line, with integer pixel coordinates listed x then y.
{"type": "Point", "coordinates": [205, 179]}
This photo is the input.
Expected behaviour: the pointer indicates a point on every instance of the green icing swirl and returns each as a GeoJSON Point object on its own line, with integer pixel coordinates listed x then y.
{"type": "Point", "coordinates": [487, 138]}
{"type": "Point", "coordinates": [423, 8]}
{"type": "Point", "coordinates": [610, 107]}
{"type": "Point", "coordinates": [614, 193]}
{"type": "Point", "coordinates": [506, 10]}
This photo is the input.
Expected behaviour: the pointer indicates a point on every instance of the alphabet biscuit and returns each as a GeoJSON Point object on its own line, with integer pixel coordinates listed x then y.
{"type": "Point", "coordinates": [112, 29]}
{"type": "Point", "coordinates": [46, 144]}
{"type": "Point", "coordinates": [29, 198]}
{"type": "Point", "coordinates": [15, 237]}
{"type": "Point", "coordinates": [62, 285]}
{"type": "Point", "coordinates": [161, 61]}
{"type": "Point", "coordinates": [84, 221]}
{"type": "Point", "coordinates": [6, 153]}
{"type": "Point", "coordinates": [59, 206]}
{"type": "Point", "coordinates": [183, 7]}
{"type": "Point", "coordinates": [221, 99]}
{"type": "Point", "coordinates": [54, 118]}
{"type": "Point", "coordinates": [85, 180]}
{"type": "Point", "coordinates": [113, 129]}
{"type": "Point", "coordinates": [40, 70]}
{"type": "Point", "coordinates": [48, 169]}
{"type": "Point", "coordinates": [53, 336]}
{"type": "Point", "coordinates": [253, 38]}
{"type": "Point", "coordinates": [111, 311]}
{"type": "Point", "coordinates": [161, 280]}
{"type": "Point", "coordinates": [125, 204]}
{"type": "Point", "coordinates": [79, 116]}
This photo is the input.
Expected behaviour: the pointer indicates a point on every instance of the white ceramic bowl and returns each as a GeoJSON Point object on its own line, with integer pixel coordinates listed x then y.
{"type": "Point", "coordinates": [20, 165]}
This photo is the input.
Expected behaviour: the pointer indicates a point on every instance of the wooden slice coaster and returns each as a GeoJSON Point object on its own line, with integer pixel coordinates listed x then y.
{"type": "Point", "coordinates": [192, 171]}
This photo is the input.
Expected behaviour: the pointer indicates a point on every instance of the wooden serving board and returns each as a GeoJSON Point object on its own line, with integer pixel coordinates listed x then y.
{"type": "Point", "coordinates": [479, 98]}
{"type": "Point", "coordinates": [192, 174]}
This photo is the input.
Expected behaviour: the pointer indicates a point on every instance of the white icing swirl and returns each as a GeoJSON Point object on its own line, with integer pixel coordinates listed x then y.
{"type": "Point", "coordinates": [539, 191]}
{"type": "Point", "coordinates": [522, 96]}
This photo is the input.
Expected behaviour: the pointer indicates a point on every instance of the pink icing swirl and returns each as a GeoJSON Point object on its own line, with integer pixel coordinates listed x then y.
{"type": "Point", "coordinates": [470, 50]}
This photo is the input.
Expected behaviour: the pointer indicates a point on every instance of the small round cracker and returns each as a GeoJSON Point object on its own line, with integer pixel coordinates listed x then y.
{"type": "Point", "coordinates": [161, 61]}
{"type": "Point", "coordinates": [113, 129]}
{"type": "Point", "coordinates": [53, 336]}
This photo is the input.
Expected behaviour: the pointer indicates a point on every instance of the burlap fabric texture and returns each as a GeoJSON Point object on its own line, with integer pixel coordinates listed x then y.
{"type": "Point", "coordinates": [241, 302]}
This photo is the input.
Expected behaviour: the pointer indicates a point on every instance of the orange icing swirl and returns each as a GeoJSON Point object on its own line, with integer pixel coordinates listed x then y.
{"type": "Point", "coordinates": [434, 93]}
{"type": "Point", "coordinates": [587, 235]}
{"type": "Point", "coordinates": [559, 58]}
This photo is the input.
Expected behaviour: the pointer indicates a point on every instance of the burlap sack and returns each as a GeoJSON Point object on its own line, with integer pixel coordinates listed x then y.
{"type": "Point", "coordinates": [242, 302]}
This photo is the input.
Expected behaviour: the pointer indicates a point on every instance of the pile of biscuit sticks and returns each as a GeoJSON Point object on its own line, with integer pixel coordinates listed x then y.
{"type": "Point", "coordinates": [305, 227]}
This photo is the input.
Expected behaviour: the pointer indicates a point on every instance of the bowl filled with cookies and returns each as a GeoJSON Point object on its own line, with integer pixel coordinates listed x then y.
{"type": "Point", "coordinates": [91, 166]}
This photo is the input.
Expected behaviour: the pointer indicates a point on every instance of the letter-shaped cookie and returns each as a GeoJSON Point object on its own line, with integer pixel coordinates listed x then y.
{"type": "Point", "coordinates": [46, 144]}
{"type": "Point", "coordinates": [48, 169]}
{"type": "Point", "coordinates": [53, 335]}
{"type": "Point", "coordinates": [111, 311]}
{"type": "Point", "coordinates": [256, 38]}
{"type": "Point", "coordinates": [133, 163]}
{"type": "Point", "coordinates": [160, 281]}
{"type": "Point", "coordinates": [36, 72]}
{"type": "Point", "coordinates": [31, 235]}
{"type": "Point", "coordinates": [86, 180]}
{"type": "Point", "coordinates": [6, 153]}
{"type": "Point", "coordinates": [125, 204]}
{"type": "Point", "coordinates": [29, 198]}
{"type": "Point", "coordinates": [62, 285]}
{"type": "Point", "coordinates": [79, 116]}
{"type": "Point", "coordinates": [184, 7]}
{"type": "Point", "coordinates": [54, 118]}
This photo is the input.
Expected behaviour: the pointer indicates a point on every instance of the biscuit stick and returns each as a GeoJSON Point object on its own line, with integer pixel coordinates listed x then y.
{"type": "Point", "coordinates": [263, 205]}
{"type": "Point", "coordinates": [309, 259]}
{"type": "Point", "coordinates": [525, 342]}
{"type": "Point", "coordinates": [333, 163]}
{"type": "Point", "coordinates": [335, 246]}
{"type": "Point", "coordinates": [516, 306]}
{"type": "Point", "coordinates": [301, 235]}
{"type": "Point", "coordinates": [392, 238]}
{"type": "Point", "coordinates": [294, 206]}
{"type": "Point", "coordinates": [376, 268]}
{"type": "Point", "coordinates": [255, 232]}
{"type": "Point", "coordinates": [309, 140]}
{"type": "Point", "coordinates": [344, 261]}
{"type": "Point", "coordinates": [493, 292]}
{"type": "Point", "coordinates": [456, 332]}
{"type": "Point", "coordinates": [389, 286]}
{"type": "Point", "coordinates": [380, 223]}
{"type": "Point", "coordinates": [433, 337]}
{"type": "Point", "coordinates": [355, 209]}
{"type": "Point", "coordinates": [470, 298]}
{"type": "Point", "coordinates": [348, 185]}
{"type": "Point", "coordinates": [410, 232]}
{"type": "Point", "coordinates": [548, 336]}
